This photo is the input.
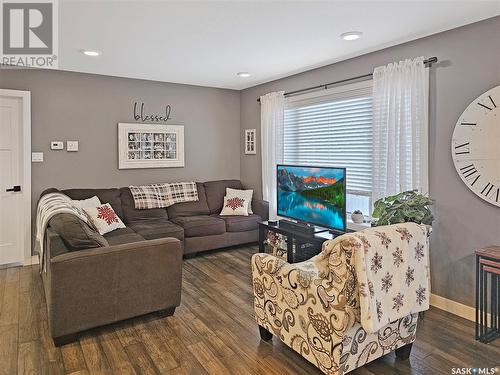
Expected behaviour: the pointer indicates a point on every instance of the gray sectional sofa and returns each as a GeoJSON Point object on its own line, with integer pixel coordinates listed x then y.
{"type": "Point", "coordinates": [136, 270]}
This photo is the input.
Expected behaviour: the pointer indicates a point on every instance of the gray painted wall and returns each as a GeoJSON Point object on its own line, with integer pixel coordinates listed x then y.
{"type": "Point", "coordinates": [469, 65]}
{"type": "Point", "coordinates": [87, 108]}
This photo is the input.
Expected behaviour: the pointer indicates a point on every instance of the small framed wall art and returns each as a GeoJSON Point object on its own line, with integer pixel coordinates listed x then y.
{"type": "Point", "coordinates": [150, 146]}
{"type": "Point", "coordinates": [250, 148]}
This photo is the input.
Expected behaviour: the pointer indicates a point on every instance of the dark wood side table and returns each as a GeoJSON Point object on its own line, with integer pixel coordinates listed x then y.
{"type": "Point", "coordinates": [300, 246]}
{"type": "Point", "coordinates": [487, 273]}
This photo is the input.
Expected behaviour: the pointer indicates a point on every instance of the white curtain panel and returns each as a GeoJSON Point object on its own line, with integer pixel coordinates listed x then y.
{"type": "Point", "coordinates": [400, 127]}
{"type": "Point", "coordinates": [272, 111]}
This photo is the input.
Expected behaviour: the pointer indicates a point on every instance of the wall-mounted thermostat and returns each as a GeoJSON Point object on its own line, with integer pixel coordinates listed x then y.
{"type": "Point", "coordinates": [57, 145]}
{"type": "Point", "coordinates": [72, 146]}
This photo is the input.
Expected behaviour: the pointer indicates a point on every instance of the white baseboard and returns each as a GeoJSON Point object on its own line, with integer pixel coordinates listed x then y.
{"type": "Point", "coordinates": [453, 307]}
{"type": "Point", "coordinates": [31, 261]}
{"type": "Point", "coordinates": [27, 262]}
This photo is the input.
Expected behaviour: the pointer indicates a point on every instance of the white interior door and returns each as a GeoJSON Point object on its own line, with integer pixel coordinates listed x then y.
{"type": "Point", "coordinates": [15, 182]}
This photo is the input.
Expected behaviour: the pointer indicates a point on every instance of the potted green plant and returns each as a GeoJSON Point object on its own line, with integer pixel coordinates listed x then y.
{"type": "Point", "coordinates": [408, 206]}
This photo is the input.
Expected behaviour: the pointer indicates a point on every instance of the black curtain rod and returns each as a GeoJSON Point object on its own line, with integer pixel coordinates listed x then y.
{"type": "Point", "coordinates": [428, 63]}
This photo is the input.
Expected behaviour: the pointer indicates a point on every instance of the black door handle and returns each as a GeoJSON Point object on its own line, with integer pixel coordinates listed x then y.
{"type": "Point", "coordinates": [14, 188]}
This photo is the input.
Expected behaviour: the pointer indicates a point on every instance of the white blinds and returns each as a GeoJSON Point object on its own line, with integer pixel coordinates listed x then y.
{"type": "Point", "coordinates": [333, 129]}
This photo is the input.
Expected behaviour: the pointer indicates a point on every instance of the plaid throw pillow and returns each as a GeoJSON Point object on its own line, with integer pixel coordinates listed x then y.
{"type": "Point", "coordinates": [163, 195]}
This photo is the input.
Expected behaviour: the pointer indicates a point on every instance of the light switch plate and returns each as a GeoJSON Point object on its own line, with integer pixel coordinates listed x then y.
{"type": "Point", "coordinates": [72, 146]}
{"type": "Point", "coordinates": [37, 157]}
{"type": "Point", "coordinates": [57, 145]}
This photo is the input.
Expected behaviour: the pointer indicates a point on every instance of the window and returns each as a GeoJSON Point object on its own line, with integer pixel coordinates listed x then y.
{"type": "Point", "coordinates": [334, 128]}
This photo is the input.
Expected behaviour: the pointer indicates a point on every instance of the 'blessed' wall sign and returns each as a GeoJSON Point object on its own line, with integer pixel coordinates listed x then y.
{"type": "Point", "coordinates": [140, 115]}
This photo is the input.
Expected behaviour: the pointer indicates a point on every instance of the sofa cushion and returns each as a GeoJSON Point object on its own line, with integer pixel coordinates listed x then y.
{"type": "Point", "coordinates": [153, 229]}
{"type": "Point", "coordinates": [75, 233]}
{"type": "Point", "coordinates": [56, 245]}
{"type": "Point", "coordinates": [131, 214]}
{"type": "Point", "coordinates": [241, 223]}
{"type": "Point", "coordinates": [111, 196]}
{"type": "Point", "coordinates": [199, 207]}
{"type": "Point", "coordinates": [203, 225]}
{"type": "Point", "coordinates": [122, 236]}
{"type": "Point", "coordinates": [216, 190]}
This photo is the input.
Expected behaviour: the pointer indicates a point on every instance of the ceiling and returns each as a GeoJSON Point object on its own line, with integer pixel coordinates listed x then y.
{"type": "Point", "coordinates": [207, 42]}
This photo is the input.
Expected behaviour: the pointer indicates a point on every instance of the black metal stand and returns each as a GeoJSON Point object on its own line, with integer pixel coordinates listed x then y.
{"type": "Point", "coordinates": [300, 245]}
{"type": "Point", "coordinates": [300, 227]}
{"type": "Point", "coordinates": [487, 269]}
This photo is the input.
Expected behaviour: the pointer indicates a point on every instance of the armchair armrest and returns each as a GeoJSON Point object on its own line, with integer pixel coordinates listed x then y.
{"type": "Point", "coordinates": [261, 208]}
{"type": "Point", "coordinates": [306, 311]}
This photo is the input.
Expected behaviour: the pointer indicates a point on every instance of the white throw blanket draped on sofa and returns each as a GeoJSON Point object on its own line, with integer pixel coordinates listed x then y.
{"type": "Point", "coordinates": [392, 271]}
{"type": "Point", "coordinates": [49, 205]}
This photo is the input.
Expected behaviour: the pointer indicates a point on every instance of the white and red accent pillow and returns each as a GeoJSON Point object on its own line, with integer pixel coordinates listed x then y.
{"type": "Point", "coordinates": [104, 218]}
{"type": "Point", "coordinates": [246, 194]}
{"type": "Point", "coordinates": [234, 206]}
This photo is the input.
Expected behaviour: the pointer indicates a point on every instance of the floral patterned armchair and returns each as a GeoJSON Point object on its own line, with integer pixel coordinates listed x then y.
{"type": "Point", "coordinates": [314, 306]}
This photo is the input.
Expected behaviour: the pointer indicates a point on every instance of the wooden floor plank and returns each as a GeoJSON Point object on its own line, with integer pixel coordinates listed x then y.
{"type": "Point", "coordinates": [94, 355]}
{"type": "Point", "coordinates": [10, 301]}
{"type": "Point", "coordinates": [25, 279]}
{"type": "Point", "coordinates": [28, 327]}
{"type": "Point", "coordinates": [3, 275]}
{"type": "Point", "coordinates": [208, 359]}
{"type": "Point", "coordinates": [155, 347]}
{"type": "Point", "coordinates": [8, 349]}
{"type": "Point", "coordinates": [114, 352]}
{"type": "Point", "coordinates": [73, 358]}
{"type": "Point", "coordinates": [28, 358]}
{"type": "Point", "coordinates": [140, 359]}
{"type": "Point", "coordinates": [212, 332]}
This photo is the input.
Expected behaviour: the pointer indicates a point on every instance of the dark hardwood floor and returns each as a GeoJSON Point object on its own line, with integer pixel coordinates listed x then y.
{"type": "Point", "coordinates": [213, 331]}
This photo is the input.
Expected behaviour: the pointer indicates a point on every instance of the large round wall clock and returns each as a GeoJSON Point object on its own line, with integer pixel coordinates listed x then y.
{"type": "Point", "coordinates": [475, 146]}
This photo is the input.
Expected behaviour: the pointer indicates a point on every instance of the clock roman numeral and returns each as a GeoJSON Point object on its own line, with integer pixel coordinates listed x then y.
{"type": "Point", "coordinates": [488, 189]}
{"type": "Point", "coordinates": [485, 106]}
{"type": "Point", "coordinates": [462, 149]}
{"type": "Point", "coordinates": [490, 192]}
{"type": "Point", "coordinates": [488, 107]}
{"type": "Point", "coordinates": [470, 173]}
{"type": "Point", "coordinates": [492, 102]}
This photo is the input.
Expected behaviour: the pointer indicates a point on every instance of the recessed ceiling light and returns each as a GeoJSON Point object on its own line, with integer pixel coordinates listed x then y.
{"type": "Point", "coordinates": [88, 52]}
{"type": "Point", "coordinates": [243, 74]}
{"type": "Point", "coordinates": [351, 35]}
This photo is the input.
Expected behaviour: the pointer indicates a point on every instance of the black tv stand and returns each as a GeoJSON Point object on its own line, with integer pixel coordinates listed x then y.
{"type": "Point", "coordinates": [337, 232]}
{"type": "Point", "coordinates": [302, 242]}
{"type": "Point", "coordinates": [301, 226]}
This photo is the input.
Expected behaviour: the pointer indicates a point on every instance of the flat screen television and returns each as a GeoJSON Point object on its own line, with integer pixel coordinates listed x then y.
{"type": "Point", "coordinates": [314, 195]}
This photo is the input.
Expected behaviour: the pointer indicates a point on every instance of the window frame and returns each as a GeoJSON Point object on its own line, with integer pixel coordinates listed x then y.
{"type": "Point", "coordinates": [337, 92]}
